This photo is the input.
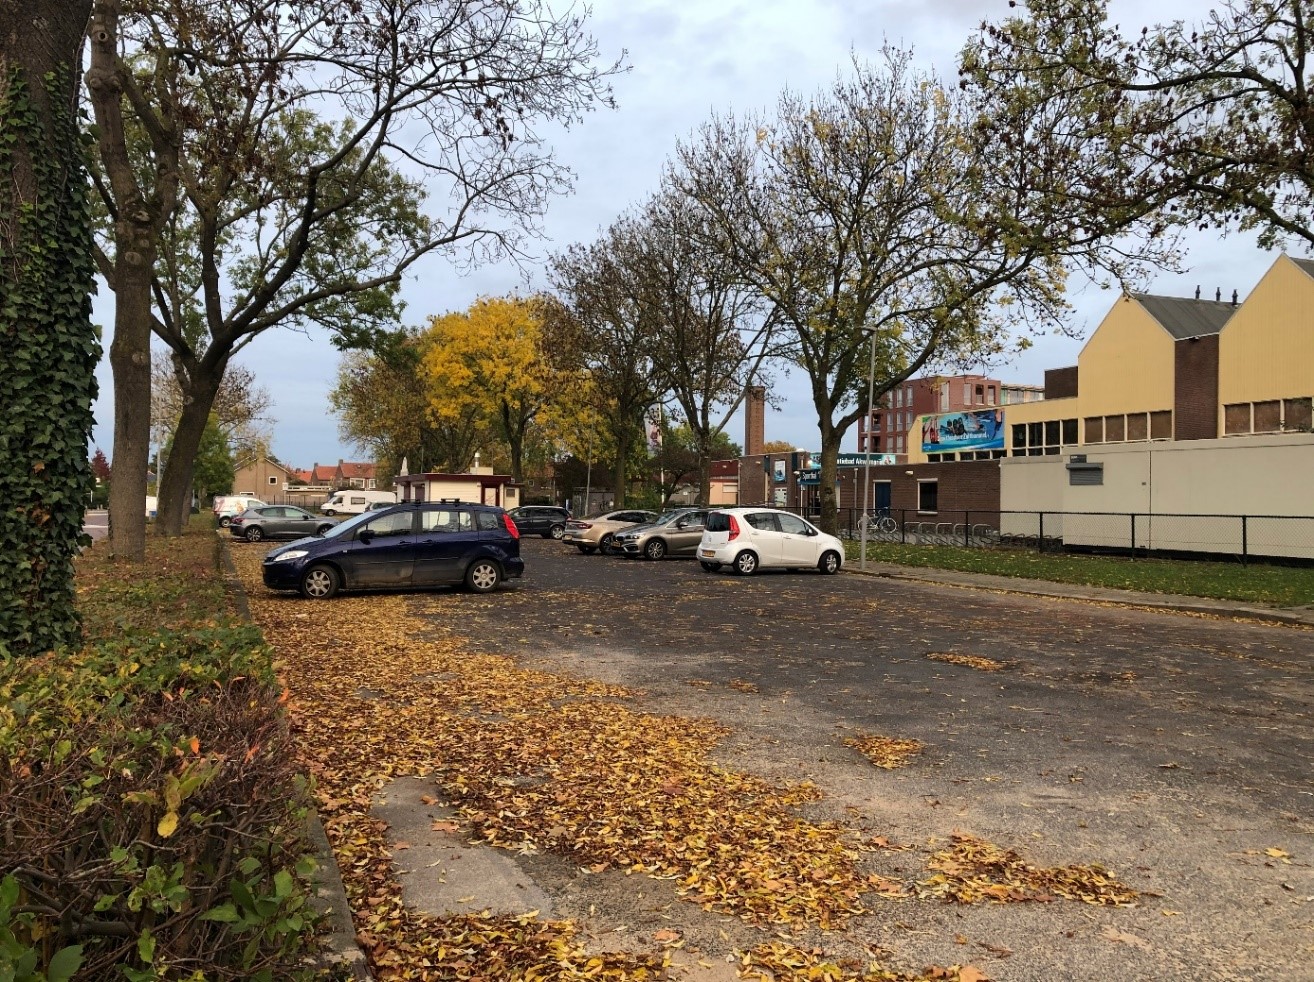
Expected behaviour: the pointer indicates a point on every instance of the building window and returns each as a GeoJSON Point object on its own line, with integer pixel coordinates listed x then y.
{"type": "Point", "coordinates": [967, 393]}
{"type": "Point", "coordinates": [1236, 418]}
{"type": "Point", "coordinates": [1069, 432]}
{"type": "Point", "coordinates": [1019, 439]}
{"type": "Point", "coordinates": [1161, 425]}
{"type": "Point", "coordinates": [928, 496]}
{"type": "Point", "coordinates": [1296, 415]}
{"type": "Point", "coordinates": [1138, 426]}
{"type": "Point", "coordinates": [1115, 429]}
{"type": "Point", "coordinates": [980, 395]}
{"type": "Point", "coordinates": [1094, 429]}
{"type": "Point", "coordinates": [1268, 416]}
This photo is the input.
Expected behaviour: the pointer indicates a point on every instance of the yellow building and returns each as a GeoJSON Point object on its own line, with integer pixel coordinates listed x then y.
{"type": "Point", "coordinates": [1266, 355]}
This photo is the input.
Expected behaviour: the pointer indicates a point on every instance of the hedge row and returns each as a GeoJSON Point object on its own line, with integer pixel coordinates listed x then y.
{"type": "Point", "coordinates": [151, 815]}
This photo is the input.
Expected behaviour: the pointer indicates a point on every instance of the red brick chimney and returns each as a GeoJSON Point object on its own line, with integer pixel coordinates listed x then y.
{"type": "Point", "coordinates": [754, 420]}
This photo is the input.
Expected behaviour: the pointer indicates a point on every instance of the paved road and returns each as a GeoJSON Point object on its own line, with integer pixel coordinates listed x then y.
{"type": "Point", "coordinates": [1175, 749]}
{"type": "Point", "coordinates": [96, 524]}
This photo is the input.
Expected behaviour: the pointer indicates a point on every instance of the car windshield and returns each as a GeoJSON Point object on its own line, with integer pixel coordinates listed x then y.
{"type": "Point", "coordinates": [347, 527]}
{"type": "Point", "coordinates": [669, 516]}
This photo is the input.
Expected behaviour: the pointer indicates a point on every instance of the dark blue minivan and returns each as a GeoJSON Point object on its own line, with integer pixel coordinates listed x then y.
{"type": "Point", "coordinates": [414, 545]}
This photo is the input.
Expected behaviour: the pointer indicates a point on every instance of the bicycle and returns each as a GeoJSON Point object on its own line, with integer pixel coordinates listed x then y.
{"type": "Point", "coordinates": [881, 521]}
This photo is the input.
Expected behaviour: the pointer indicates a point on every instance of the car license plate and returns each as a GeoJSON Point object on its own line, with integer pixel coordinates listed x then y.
{"type": "Point", "coordinates": [709, 553]}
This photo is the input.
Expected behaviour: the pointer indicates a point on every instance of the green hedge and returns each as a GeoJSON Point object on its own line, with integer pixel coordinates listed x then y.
{"type": "Point", "coordinates": [152, 812]}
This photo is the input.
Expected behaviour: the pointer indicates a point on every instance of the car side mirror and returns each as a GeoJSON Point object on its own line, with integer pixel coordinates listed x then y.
{"type": "Point", "coordinates": [365, 535]}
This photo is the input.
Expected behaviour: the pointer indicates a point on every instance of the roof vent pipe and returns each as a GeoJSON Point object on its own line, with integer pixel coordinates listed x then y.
{"type": "Point", "coordinates": [1218, 295]}
{"type": "Point", "coordinates": [1197, 292]}
{"type": "Point", "coordinates": [1233, 298]}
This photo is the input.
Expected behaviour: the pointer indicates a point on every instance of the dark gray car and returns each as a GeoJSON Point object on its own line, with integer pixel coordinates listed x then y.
{"type": "Point", "coordinates": [549, 521]}
{"type": "Point", "coordinates": [277, 522]}
{"type": "Point", "coordinates": [675, 533]}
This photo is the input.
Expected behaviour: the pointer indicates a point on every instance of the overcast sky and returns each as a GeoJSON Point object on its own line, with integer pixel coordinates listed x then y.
{"type": "Point", "coordinates": [691, 61]}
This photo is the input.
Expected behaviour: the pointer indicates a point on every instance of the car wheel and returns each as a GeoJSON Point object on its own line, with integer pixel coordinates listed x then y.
{"type": "Point", "coordinates": [829, 562]}
{"type": "Point", "coordinates": [655, 549]}
{"type": "Point", "coordinates": [329, 512]}
{"type": "Point", "coordinates": [587, 550]}
{"type": "Point", "coordinates": [254, 534]}
{"type": "Point", "coordinates": [557, 531]}
{"type": "Point", "coordinates": [483, 575]}
{"type": "Point", "coordinates": [225, 522]}
{"type": "Point", "coordinates": [323, 528]}
{"type": "Point", "coordinates": [746, 563]}
{"type": "Point", "coordinates": [709, 567]}
{"type": "Point", "coordinates": [319, 582]}
{"type": "Point", "coordinates": [604, 546]}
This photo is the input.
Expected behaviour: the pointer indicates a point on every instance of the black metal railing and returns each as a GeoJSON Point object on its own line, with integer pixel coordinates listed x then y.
{"type": "Point", "coordinates": [1128, 533]}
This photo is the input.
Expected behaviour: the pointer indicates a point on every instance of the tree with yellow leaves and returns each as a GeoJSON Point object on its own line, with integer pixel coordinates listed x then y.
{"type": "Point", "coordinates": [500, 360]}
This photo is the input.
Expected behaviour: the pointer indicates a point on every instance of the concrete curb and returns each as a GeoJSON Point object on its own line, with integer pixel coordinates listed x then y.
{"type": "Point", "coordinates": [339, 955]}
{"type": "Point", "coordinates": [1126, 598]}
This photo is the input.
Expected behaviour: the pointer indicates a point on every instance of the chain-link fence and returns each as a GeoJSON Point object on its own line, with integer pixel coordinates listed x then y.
{"type": "Point", "coordinates": [1239, 536]}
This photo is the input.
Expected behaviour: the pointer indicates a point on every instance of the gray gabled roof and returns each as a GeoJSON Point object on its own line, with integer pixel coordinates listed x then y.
{"type": "Point", "coordinates": [1306, 264]}
{"type": "Point", "coordinates": [1185, 318]}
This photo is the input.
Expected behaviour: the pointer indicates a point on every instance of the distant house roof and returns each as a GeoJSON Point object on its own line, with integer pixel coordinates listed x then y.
{"type": "Point", "coordinates": [1185, 318]}
{"type": "Point", "coordinates": [1306, 264]}
{"type": "Point", "coordinates": [322, 475]}
{"type": "Point", "coordinates": [302, 474]}
{"type": "Point", "coordinates": [350, 470]}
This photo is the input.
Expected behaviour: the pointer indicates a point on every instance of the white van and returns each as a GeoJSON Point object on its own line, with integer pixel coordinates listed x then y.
{"type": "Point", "coordinates": [353, 502]}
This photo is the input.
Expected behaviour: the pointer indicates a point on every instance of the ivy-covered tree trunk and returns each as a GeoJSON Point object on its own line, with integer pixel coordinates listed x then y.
{"type": "Point", "coordinates": [47, 342]}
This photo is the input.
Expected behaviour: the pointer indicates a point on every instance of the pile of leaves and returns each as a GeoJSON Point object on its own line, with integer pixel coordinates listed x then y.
{"type": "Point", "coordinates": [533, 761]}
{"type": "Point", "coordinates": [885, 752]}
{"type": "Point", "coordinates": [153, 804]}
{"type": "Point", "coordinates": [979, 662]}
{"type": "Point", "coordinates": [778, 961]}
{"type": "Point", "coordinates": [973, 870]}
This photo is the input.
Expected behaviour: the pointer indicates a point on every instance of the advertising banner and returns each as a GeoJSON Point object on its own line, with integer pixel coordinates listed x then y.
{"type": "Point", "coordinates": [778, 470]}
{"type": "Point", "coordinates": [862, 459]}
{"type": "Point", "coordinates": [982, 429]}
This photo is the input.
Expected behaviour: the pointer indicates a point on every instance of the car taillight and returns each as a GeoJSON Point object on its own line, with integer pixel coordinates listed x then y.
{"type": "Point", "coordinates": [510, 526]}
{"type": "Point", "coordinates": [579, 526]}
{"type": "Point", "coordinates": [734, 528]}
{"type": "Point", "coordinates": [236, 520]}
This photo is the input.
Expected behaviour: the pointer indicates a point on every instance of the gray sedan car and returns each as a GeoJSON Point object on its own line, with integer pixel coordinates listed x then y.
{"type": "Point", "coordinates": [277, 522]}
{"type": "Point", "coordinates": [674, 533]}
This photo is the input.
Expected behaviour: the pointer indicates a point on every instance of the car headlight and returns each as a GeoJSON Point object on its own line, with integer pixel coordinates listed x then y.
{"type": "Point", "coordinates": [288, 556]}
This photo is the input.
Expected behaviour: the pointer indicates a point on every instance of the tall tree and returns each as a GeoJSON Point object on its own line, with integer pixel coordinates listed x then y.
{"type": "Point", "coordinates": [240, 206]}
{"type": "Point", "coordinates": [708, 331]}
{"type": "Point", "coordinates": [49, 346]}
{"type": "Point", "coordinates": [1201, 124]}
{"type": "Point", "coordinates": [606, 327]}
{"type": "Point", "coordinates": [383, 400]}
{"type": "Point", "coordinates": [886, 232]}
{"type": "Point", "coordinates": [498, 359]}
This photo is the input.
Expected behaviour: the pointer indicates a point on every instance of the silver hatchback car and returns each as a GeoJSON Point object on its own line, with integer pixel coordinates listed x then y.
{"type": "Point", "coordinates": [674, 533]}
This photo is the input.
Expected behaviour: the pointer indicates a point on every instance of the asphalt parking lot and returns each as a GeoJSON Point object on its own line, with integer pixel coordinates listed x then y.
{"type": "Point", "coordinates": [1174, 749]}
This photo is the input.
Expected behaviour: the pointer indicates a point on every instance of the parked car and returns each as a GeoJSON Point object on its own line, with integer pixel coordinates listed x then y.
{"type": "Point", "coordinates": [228, 505]}
{"type": "Point", "coordinates": [411, 545]}
{"type": "Point", "coordinates": [353, 502]}
{"type": "Point", "coordinates": [674, 533]}
{"type": "Point", "coordinates": [277, 522]}
{"type": "Point", "coordinates": [549, 521]}
{"type": "Point", "coordinates": [749, 539]}
{"type": "Point", "coordinates": [594, 533]}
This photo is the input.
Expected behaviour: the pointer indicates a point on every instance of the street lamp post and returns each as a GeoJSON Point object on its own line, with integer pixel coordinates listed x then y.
{"type": "Point", "coordinates": [866, 465]}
